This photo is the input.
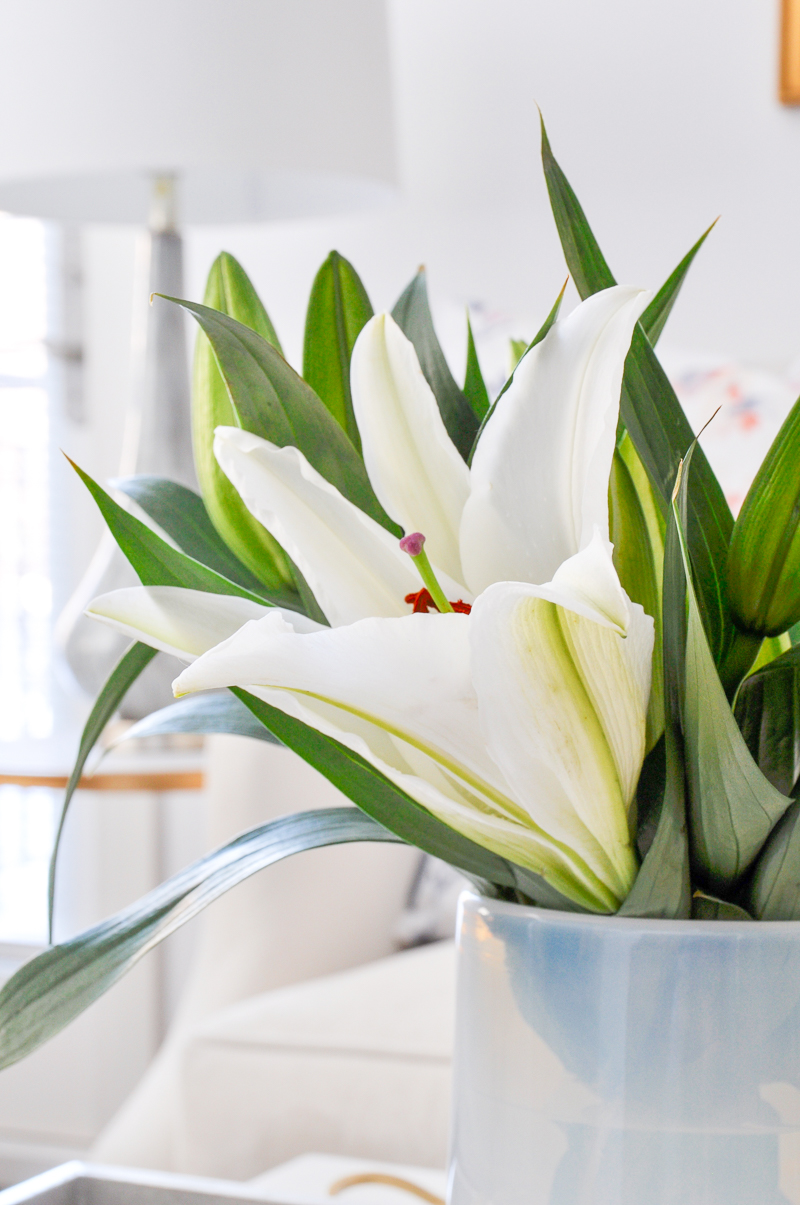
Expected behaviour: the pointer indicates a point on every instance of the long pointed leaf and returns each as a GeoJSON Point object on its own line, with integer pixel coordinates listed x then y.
{"type": "Point", "coordinates": [156, 562]}
{"type": "Point", "coordinates": [655, 317]}
{"type": "Point", "coordinates": [119, 681]}
{"type": "Point", "coordinates": [732, 806]}
{"type": "Point", "coordinates": [663, 885]}
{"type": "Point", "coordinates": [204, 713]}
{"type": "Point", "coordinates": [652, 414]}
{"type": "Point", "coordinates": [413, 315]}
{"type": "Point", "coordinates": [181, 513]}
{"type": "Point", "coordinates": [49, 991]}
{"type": "Point", "coordinates": [475, 390]}
{"type": "Point", "coordinates": [338, 309]}
{"type": "Point", "coordinates": [272, 401]}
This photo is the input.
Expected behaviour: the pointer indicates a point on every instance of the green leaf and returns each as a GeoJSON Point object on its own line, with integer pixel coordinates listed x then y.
{"type": "Point", "coordinates": [338, 309]}
{"type": "Point", "coordinates": [272, 401]}
{"type": "Point", "coordinates": [637, 533]}
{"type": "Point", "coordinates": [655, 317]}
{"type": "Point", "coordinates": [537, 338]}
{"type": "Point", "coordinates": [775, 888]}
{"type": "Point", "coordinates": [663, 884]}
{"type": "Point", "coordinates": [181, 513]}
{"type": "Point", "coordinates": [413, 315]}
{"type": "Point", "coordinates": [387, 804]}
{"type": "Point", "coordinates": [732, 806]}
{"type": "Point", "coordinates": [708, 907]}
{"type": "Point", "coordinates": [230, 291]}
{"type": "Point", "coordinates": [763, 571]}
{"type": "Point", "coordinates": [49, 991]}
{"type": "Point", "coordinates": [768, 713]}
{"type": "Point", "coordinates": [204, 713]}
{"type": "Point", "coordinates": [658, 427]}
{"type": "Point", "coordinates": [475, 390]}
{"type": "Point", "coordinates": [156, 562]}
{"type": "Point", "coordinates": [119, 681]}
{"type": "Point", "coordinates": [586, 261]}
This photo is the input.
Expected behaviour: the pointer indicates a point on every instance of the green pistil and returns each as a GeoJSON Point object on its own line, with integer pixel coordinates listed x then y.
{"type": "Point", "coordinates": [413, 544]}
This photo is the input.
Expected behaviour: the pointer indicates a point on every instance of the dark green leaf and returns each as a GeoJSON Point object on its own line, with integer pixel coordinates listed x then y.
{"type": "Point", "coordinates": [386, 803]}
{"type": "Point", "coordinates": [272, 401]}
{"type": "Point", "coordinates": [203, 713]}
{"type": "Point", "coordinates": [537, 338]}
{"type": "Point", "coordinates": [655, 317]}
{"type": "Point", "coordinates": [230, 291]}
{"type": "Point", "coordinates": [181, 513]}
{"type": "Point", "coordinates": [636, 531]}
{"type": "Point", "coordinates": [708, 907]}
{"type": "Point", "coordinates": [768, 713]}
{"type": "Point", "coordinates": [732, 806]}
{"type": "Point", "coordinates": [663, 887]}
{"type": "Point", "coordinates": [49, 991]}
{"type": "Point", "coordinates": [657, 425]}
{"type": "Point", "coordinates": [775, 889]}
{"type": "Point", "coordinates": [156, 562]}
{"type": "Point", "coordinates": [119, 681]}
{"type": "Point", "coordinates": [475, 390]}
{"type": "Point", "coordinates": [338, 308]}
{"type": "Point", "coordinates": [412, 314]}
{"type": "Point", "coordinates": [763, 571]}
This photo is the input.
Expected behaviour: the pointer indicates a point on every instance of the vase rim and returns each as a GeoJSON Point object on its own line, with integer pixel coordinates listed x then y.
{"type": "Point", "coordinates": [684, 927]}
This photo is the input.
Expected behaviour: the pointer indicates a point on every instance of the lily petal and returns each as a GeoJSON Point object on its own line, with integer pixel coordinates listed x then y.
{"type": "Point", "coordinates": [353, 565]}
{"type": "Point", "coordinates": [399, 692]}
{"type": "Point", "coordinates": [539, 483]}
{"type": "Point", "coordinates": [415, 469]}
{"type": "Point", "coordinates": [561, 693]}
{"type": "Point", "coordinates": [185, 623]}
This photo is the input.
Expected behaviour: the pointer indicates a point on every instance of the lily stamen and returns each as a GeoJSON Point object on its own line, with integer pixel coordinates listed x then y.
{"type": "Point", "coordinates": [413, 544]}
{"type": "Point", "coordinates": [421, 602]}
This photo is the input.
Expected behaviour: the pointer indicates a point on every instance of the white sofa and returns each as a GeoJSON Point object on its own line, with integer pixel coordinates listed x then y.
{"type": "Point", "coordinates": [349, 1061]}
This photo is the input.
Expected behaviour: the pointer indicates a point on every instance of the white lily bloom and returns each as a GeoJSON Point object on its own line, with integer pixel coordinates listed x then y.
{"type": "Point", "coordinates": [521, 726]}
{"type": "Point", "coordinates": [415, 697]}
{"type": "Point", "coordinates": [416, 471]}
{"type": "Point", "coordinates": [184, 623]}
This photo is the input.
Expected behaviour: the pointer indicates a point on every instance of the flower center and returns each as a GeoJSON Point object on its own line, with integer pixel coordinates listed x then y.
{"type": "Point", "coordinates": [422, 602]}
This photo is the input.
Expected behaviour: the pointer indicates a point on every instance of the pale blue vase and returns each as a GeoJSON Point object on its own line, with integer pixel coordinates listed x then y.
{"type": "Point", "coordinates": [606, 1061]}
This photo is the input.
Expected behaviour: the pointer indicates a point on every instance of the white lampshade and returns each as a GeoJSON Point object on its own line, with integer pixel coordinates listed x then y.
{"type": "Point", "coordinates": [262, 108]}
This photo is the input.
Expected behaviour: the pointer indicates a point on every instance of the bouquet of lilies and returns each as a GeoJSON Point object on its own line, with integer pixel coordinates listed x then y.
{"type": "Point", "coordinates": [523, 634]}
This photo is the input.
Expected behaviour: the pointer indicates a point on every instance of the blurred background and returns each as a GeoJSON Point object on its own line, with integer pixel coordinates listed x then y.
{"type": "Point", "coordinates": [664, 116]}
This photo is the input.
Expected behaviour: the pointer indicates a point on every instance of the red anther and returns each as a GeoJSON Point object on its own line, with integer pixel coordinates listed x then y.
{"type": "Point", "coordinates": [422, 601]}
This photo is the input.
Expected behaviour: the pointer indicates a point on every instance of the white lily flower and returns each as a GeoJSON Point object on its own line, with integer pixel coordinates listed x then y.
{"type": "Point", "coordinates": [521, 726]}
{"type": "Point", "coordinates": [184, 623]}
{"type": "Point", "coordinates": [535, 493]}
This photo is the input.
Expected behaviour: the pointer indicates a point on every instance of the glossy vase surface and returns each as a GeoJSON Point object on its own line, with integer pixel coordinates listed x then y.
{"type": "Point", "coordinates": [611, 1061]}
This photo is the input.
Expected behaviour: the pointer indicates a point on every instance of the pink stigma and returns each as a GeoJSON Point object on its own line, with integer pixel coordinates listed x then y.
{"type": "Point", "coordinates": [412, 543]}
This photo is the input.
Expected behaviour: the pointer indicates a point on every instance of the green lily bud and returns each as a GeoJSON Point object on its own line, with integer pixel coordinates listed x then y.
{"type": "Point", "coordinates": [637, 533]}
{"type": "Point", "coordinates": [763, 568]}
{"type": "Point", "coordinates": [230, 290]}
{"type": "Point", "coordinates": [338, 308]}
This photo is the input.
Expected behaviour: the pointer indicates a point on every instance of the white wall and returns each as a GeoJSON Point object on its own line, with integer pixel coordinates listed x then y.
{"type": "Point", "coordinates": [663, 115]}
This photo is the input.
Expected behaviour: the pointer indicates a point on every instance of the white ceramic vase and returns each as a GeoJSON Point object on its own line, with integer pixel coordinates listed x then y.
{"type": "Point", "coordinates": [610, 1061]}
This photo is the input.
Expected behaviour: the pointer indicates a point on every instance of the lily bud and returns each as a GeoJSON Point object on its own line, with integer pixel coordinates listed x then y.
{"type": "Point", "coordinates": [763, 569]}
{"type": "Point", "coordinates": [338, 309]}
{"type": "Point", "coordinates": [230, 290]}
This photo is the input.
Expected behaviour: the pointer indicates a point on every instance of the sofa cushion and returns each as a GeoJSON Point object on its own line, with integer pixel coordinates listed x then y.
{"type": "Point", "coordinates": [356, 1063]}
